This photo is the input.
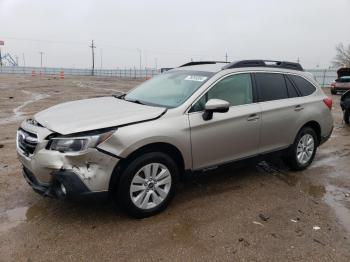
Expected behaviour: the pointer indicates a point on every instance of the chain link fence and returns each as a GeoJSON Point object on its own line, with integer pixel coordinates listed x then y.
{"type": "Point", "coordinates": [323, 76]}
{"type": "Point", "coordinates": [130, 73]}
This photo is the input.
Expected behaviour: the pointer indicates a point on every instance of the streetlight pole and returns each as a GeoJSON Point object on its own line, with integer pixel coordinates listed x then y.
{"type": "Point", "coordinates": [140, 53]}
{"type": "Point", "coordinates": [92, 46]}
{"type": "Point", "coordinates": [41, 58]}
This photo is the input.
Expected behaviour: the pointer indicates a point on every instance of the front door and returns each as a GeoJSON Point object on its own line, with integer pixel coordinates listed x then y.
{"type": "Point", "coordinates": [227, 136]}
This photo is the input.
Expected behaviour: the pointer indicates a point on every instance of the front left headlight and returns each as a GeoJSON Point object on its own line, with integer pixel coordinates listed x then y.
{"type": "Point", "coordinates": [76, 144]}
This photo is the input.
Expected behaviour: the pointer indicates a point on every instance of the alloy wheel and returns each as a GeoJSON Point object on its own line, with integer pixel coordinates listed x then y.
{"type": "Point", "coordinates": [150, 186]}
{"type": "Point", "coordinates": [305, 149]}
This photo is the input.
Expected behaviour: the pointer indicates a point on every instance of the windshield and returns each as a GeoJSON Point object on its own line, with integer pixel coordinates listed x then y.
{"type": "Point", "coordinates": [169, 89]}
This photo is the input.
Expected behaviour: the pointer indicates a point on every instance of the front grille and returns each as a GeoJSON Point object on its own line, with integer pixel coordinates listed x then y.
{"type": "Point", "coordinates": [26, 141]}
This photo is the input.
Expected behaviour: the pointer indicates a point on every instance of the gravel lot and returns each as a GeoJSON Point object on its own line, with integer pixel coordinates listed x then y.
{"type": "Point", "coordinates": [255, 211]}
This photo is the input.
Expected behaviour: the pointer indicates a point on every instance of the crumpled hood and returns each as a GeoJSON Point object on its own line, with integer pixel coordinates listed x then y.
{"type": "Point", "coordinates": [94, 113]}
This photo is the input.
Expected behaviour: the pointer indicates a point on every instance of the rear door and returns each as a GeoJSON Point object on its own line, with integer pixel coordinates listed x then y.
{"type": "Point", "coordinates": [280, 107]}
{"type": "Point", "coordinates": [227, 136]}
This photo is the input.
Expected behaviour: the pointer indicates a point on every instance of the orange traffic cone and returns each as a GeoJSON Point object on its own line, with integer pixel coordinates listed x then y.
{"type": "Point", "coordinates": [33, 73]}
{"type": "Point", "coordinates": [62, 75]}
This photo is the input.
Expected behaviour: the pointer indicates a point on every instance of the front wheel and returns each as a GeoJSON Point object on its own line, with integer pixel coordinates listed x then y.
{"type": "Point", "coordinates": [302, 152]}
{"type": "Point", "coordinates": [347, 116]}
{"type": "Point", "coordinates": [148, 184]}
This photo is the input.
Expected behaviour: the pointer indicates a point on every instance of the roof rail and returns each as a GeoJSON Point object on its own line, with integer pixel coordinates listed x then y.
{"type": "Point", "coordinates": [265, 63]}
{"type": "Point", "coordinates": [202, 63]}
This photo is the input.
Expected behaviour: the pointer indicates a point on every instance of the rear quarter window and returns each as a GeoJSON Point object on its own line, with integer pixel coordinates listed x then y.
{"type": "Point", "coordinates": [305, 87]}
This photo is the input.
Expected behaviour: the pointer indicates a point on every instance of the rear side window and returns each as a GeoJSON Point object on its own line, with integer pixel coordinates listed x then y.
{"type": "Point", "coordinates": [292, 92]}
{"type": "Point", "coordinates": [304, 86]}
{"type": "Point", "coordinates": [271, 86]}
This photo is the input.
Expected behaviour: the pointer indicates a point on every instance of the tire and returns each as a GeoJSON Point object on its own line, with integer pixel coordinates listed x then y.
{"type": "Point", "coordinates": [152, 191]}
{"type": "Point", "coordinates": [299, 156]}
{"type": "Point", "coordinates": [347, 116]}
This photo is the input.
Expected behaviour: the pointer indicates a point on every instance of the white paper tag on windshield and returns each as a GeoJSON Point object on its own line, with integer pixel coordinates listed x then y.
{"type": "Point", "coordinates": [196, 78]}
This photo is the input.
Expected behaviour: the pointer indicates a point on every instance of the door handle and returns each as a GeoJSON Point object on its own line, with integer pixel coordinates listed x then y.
{"type": "Point", "coordinates": [298, 108]}
{"type": "Point", "coordinates": [253, 117]}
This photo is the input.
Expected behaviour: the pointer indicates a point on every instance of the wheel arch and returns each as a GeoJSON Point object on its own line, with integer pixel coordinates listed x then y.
{"type": "Point", "coordinates": [315, 126]}
{"type": "Point", "coordinates": [163, 147]}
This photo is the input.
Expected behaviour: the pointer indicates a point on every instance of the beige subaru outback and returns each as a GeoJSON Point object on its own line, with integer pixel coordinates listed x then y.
{"type": "Point", "coordinates": [134, 147]}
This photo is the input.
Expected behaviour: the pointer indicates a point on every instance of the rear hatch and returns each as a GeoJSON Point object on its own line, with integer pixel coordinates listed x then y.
{"type": "Point", "coordinates": [343, 79]}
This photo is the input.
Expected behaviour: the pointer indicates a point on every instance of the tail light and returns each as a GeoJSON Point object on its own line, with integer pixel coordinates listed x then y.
{"type": "Point", "coordinates": [328, 102]}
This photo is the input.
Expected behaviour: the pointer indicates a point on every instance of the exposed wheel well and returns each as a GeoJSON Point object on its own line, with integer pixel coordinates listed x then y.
{"type": "Point", "coordinates": [316, 127]}
{"type": "Point", "coordinates": [165, 148]}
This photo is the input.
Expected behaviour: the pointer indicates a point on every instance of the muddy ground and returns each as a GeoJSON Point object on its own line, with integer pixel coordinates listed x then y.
{"type": "Point", "coordinates": [248, 212]}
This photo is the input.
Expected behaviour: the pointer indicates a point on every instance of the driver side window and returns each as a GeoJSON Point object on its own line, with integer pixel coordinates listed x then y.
{"type": "Point", "coordinates": [235, 89]}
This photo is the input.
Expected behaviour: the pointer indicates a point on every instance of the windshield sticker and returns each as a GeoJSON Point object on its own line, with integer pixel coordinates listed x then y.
{"type": "Point", "coordinates": [196, 78]}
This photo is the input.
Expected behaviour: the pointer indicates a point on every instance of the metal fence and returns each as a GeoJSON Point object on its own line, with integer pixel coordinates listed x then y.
{"type": "Point", "coordinates": [323, 76]}
{"type": "Point", "coordinates": [51, 71]}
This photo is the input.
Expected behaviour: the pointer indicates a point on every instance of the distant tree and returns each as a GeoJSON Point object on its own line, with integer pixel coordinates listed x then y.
{"type": "Point", "coordinates": [342, 58]}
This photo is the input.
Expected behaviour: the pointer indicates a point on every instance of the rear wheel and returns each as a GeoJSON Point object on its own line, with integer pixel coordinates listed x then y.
{"type": "Point", "coordinates": [302, 152]}
{"type": "Point", "coordinates": [347, 116]}
{"type": "Point", "coordinates": [148, 184]}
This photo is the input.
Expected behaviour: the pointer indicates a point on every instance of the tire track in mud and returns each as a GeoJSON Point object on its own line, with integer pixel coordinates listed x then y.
{"type": "Point", "coordinates": [98, 88]}
{"type": "Point", "coordinates": [18, 114]}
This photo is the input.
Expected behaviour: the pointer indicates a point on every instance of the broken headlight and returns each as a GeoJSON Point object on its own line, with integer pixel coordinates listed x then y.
{"type": "Point", "coordinates": [76, 144]}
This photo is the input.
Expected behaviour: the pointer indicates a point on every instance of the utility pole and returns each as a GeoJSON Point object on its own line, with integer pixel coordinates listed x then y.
{"type": "Point", "coordinates": [226, 56]}
{"type": "Point", "coordinates": [1, 43]}
{"type": "Point", "coordinates": [156, 63]}
{"type": "Point", "coordinates": [16, 60]}
{"type": "Point", "coordinates": [92, 46]}
{"type": "Point", "coordinates": [140, 53]}
{"type": "Point", "coordinates": [41, 58]}
{"type": "Point", "coordinates": [298, 60]}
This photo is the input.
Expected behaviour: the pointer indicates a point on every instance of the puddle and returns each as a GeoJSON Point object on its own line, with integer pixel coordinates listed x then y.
{"type": "Point", "coordinates": [266, 167]}
{"type": "Point", "coordinates": [183, 230]}
{"type": "Point", "coordinates": [316, 191]}
{"type": "Point", "coordinates": [17, 112]}
{"type": "Point", "coordinates": [12, 218]}
{"type": "Point", "coordinates": [325, 161]}
{"type": "Point", "coordinates": [336, 199]}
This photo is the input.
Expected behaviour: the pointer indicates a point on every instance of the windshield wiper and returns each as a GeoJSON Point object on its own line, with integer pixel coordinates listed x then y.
{"type": "Point", "coordinates": [135, 101]}
{"type": "Point", "coordinates": [119, 95]}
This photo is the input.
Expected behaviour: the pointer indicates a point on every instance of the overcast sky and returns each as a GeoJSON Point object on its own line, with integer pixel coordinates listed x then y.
{"type": "Point", "coordinates": [172, 32]}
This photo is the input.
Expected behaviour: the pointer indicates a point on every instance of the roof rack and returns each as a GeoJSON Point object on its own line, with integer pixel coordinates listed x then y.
{"type": "Point", "coordinates": [264, 63]}
{"type": "Point", "coordinates": [202, 63]}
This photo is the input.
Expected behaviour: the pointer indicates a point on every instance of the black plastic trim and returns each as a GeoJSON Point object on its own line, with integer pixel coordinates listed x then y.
{"type": "Point", "coordinates": [193, 63]}
{"type": "Point", "coordinates": [264, 63]}
{"type": "Point", "coordinates": [108, 153]}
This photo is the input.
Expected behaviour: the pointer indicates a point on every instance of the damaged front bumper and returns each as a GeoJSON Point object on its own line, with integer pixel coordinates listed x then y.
{"type": "Point", "coordinates": [65, 185]}
{"type": "Point", "coordinates": [62, 175]}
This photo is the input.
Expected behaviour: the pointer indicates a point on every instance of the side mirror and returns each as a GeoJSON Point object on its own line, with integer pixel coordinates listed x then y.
{"type": "Point", "coordinates": [215, 106]}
